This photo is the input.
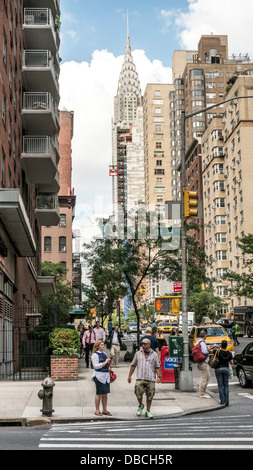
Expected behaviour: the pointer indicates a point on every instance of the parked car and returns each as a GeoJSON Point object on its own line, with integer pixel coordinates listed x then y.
{"type": "Point", "coordinates": [243, 366]}
{"type": "Point", "coordinates": [132, 327]}
{"type": "Point", "coordinates": [214, 336]}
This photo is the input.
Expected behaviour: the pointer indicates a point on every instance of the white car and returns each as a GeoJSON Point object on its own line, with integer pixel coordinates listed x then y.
{"type": "Point", "coordinates": [132, 327]}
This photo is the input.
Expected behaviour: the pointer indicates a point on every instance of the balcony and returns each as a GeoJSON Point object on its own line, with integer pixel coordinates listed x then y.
{"type": "Point", "coordinates": [53, 5]}
{"type": "Point", "coordinates": [41, 72]}
{"type": "Point", "coordinates": [47, 210]}
{"type": "Point", "coordinates": [15, 220]}
{"type": "Point", "coordinates": [40, 30]}
{"type": "Point", "coordinates": [39, 159]}
{"type": "Point", "coordinates": [40, 114]}
{"type": "Point", "coordinates": [53, 187]}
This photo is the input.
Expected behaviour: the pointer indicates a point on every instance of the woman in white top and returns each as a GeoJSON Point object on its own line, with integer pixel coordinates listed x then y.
{"type": "Point", "coordinates": [101, 376]}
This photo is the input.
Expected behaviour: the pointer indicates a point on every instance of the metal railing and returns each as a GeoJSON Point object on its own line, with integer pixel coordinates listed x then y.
{"type": "Point", "coordinates": [47, 202]}
{"type": "Point", "coordinates": [37, 58]}
{"type": "Point", "coordinates": [36, 100]}
{"type": "Point", "coordinates": [34, 144]}
{"type": "Point", "coordinates": [37, 16]}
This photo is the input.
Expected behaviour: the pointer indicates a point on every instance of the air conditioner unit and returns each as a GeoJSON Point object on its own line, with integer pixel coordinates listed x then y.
{"type": "Point", "coordinates": [239, 180]}
{"type": "Point", "coordinates": [232, 167]}
{"type": "Point", "coordinates": [238, 161]}
{"type": "Point", "coordinates": [233, 187]}
{"type": "Point", "coordinates": [235, 206]}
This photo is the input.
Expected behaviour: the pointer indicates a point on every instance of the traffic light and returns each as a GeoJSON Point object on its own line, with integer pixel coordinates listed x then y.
{"type": "Point", "coordinates": [190, 203]}
{"type": "Point", "coordinates": [175, 306]}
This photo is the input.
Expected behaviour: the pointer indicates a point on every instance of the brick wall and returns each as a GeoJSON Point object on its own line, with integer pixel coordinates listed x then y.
{"type": "Point", "coordinates": [64, 367]}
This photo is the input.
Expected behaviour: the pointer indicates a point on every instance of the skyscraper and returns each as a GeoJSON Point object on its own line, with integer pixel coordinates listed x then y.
{"type": "Point", "coordinates": [128, 179]}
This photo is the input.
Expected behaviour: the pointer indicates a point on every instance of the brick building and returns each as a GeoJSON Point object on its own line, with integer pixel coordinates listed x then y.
{"type": "Point", "coordinates": [29, 97]}
{"type": "Point", "coordinates": [57, 240]}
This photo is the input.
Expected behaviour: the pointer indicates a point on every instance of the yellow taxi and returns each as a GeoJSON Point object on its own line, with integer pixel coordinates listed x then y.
{"type": "Point", "coordinates": [215, 334]}
{"type": "Point", "coordinates": [165, 327]}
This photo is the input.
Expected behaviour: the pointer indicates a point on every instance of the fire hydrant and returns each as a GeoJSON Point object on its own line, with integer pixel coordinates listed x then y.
{"type": "Point", "coordinates": [47, 396]}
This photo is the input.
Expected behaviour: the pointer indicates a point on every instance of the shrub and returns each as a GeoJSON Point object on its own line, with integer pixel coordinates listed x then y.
{"type": "Point", "coordinates": [64, 341]}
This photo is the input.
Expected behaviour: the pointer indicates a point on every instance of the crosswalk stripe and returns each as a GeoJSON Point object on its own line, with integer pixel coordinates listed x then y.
{"type": "Point", "coordinates": [150, 446]}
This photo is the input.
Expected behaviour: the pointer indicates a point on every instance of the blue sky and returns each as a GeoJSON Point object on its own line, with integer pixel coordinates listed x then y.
{"type": "Point", "coordinates": [93, 40]}
{"type": "Point", "coordinates": [99, 24]}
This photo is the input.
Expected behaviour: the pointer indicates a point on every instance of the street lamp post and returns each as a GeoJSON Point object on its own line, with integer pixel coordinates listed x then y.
{"type": "Point", "coordinates": [186, 379]}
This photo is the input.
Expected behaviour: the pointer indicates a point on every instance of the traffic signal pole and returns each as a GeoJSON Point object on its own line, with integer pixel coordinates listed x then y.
{"type": "Point", "coordinates": [185, 378]}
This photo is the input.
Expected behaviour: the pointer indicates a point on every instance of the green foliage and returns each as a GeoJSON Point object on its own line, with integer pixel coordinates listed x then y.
{"type": "Point", "coordinates": [63, 299]}
{"type": "Point", "coordinates": [204, 303]}
{"type": "Point", "coordinates": [242, 284]}
{"type": "Point", "coordinates": [64, 341]}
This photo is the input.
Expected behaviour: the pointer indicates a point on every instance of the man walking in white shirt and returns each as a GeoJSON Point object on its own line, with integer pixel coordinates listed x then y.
{"type": "Point", "coordinates": [100, 332]}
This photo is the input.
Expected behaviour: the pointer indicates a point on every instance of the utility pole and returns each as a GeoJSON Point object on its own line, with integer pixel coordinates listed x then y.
{"type": "Point", "coordinates": [185, 378]}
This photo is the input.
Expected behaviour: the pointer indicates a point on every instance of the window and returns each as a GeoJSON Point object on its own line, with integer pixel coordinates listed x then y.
{"type": "Point", "coordinates": [47, 244]}
{"type": "Point", "coordinates": [221, 255]}
{"type": "Point", "coordinates": [220, 220]}
{"type": "Point", "coordinates": [157, 93]}
{"type": "Point", "coordinates": [3, 169]}
{"type": "Point", "coordinates": [4, 108]}
{"type": "Point", "coordinates": [62, 220]}
{"type": "Point", "coordinates": [221, 237]}
{"type": "Point", "coordinates": [62, 243]}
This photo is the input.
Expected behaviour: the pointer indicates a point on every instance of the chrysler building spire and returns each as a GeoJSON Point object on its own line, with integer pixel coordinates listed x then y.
{"type": "Point", "coordinates": [129, 91]}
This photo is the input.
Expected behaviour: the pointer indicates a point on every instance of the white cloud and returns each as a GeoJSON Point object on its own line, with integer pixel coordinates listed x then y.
{"type": "Point", "coordinates": [219, 17]}
{"type": "Point", "coordinates": [89, 89]}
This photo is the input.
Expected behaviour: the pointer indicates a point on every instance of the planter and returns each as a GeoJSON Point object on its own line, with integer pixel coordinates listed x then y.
{"type": "Point", "coordinates": [64, 367]}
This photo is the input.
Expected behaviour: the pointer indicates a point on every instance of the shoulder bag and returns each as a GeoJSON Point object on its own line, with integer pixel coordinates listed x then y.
{"type": "Point", "coordinates": [214, 360]}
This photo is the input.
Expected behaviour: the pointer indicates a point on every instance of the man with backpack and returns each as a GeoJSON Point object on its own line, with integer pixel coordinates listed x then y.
{"type": "Point", "coordinates": [200, 354]}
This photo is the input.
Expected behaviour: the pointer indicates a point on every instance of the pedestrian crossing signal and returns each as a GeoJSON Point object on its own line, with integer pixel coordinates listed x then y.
{"type": "Point", "coordinates": [190, 203]}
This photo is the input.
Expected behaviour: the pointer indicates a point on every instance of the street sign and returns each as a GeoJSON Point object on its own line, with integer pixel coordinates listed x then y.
{"type": "Point", "coordinates": [169, 362]}
{"type": "Point", "coordinates": [177, 286]}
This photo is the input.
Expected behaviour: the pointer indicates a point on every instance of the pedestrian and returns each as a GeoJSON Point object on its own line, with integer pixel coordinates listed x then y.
{"type": "Point", "coordinates": [153, 340]}
{"type": "Point", "coordinates": [89, 339]}
{"type": "Point", "coordinates": [222, 372]}
{"type": "Point", "coordinates": [115, 344]}
{"type": "Point", "coordinates": [236, 332]}
{"type": "Point", "coordinates": [101, 377]}
{"type": "Point", "coordinates": [100, 332]}
{"type": "Point", "coordinates": [148, 367]}
{"type": "Point", "coordinates": [161, 340]}
{"type": "Point", "coordinates": [203, 366]}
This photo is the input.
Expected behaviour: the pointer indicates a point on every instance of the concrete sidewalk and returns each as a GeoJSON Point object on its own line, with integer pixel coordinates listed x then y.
{"type": "Point", "coordinates": [74, 400]}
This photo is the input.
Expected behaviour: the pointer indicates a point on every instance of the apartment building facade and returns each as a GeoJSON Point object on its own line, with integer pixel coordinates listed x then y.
{"type": "Point", "coordinates": [29, 95]}
{"type": "Point", "coordinates": [203, 82]}
{"type": "Point", "coordinates": [227, 146]}
{"type": "Point", "coordinates": [57, 240]}
{"type": "Point", "coordinates": [157, 162]}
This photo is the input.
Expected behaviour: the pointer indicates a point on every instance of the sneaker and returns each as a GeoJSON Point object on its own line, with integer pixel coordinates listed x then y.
{"type": "Point", "coordinates": [140, 410]}
{"type": "Point", "coordinates": [148, 415]}
{"type": "Point", "coordinates": [204, 396]}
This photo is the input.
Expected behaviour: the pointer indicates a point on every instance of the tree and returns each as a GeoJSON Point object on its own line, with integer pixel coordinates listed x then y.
{"type": "Point", "coordinates": [204, 303]}
{"type": "Point", "coordinates": [242, 284]}
{"type": "Point", "coordinates": [120, 266]}
{"type": "Point", "coordinates": [105, 275]}
{"type": "Point", "coordinates": [62, 301]}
